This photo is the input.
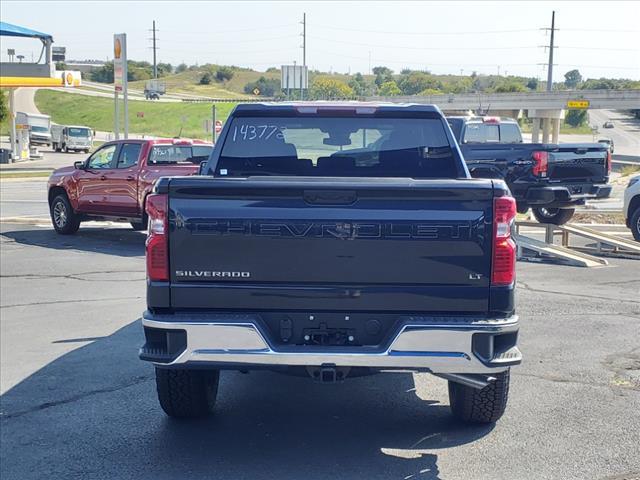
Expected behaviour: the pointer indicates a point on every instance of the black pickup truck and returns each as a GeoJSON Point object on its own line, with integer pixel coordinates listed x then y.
{"type": "Point", "coordinates": [332, 240]}
{"type": "Point", "coordinates": [549, 179]}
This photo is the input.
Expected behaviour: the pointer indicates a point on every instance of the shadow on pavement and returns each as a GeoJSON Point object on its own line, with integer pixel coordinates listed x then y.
{"type": "Point", "coordinates": [93, 413]}
{"type": "Point", "coordinates": [123, 242]}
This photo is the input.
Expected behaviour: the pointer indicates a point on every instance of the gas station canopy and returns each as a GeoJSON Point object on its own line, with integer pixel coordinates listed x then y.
{"type": "Point", "coordinates": [23, 74]}
{"type": "Point", "coordinates": [9, 30]}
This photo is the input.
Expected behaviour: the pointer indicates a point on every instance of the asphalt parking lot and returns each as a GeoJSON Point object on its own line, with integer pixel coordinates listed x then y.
{"type": "Point", "coordinates": [77, 403]}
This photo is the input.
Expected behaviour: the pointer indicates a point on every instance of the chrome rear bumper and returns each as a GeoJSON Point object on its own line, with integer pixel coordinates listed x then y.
{"type": "Point", "coordinates": [430, 346]}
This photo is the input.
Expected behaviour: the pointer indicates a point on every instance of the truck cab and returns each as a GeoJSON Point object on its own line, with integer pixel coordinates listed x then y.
{"type": "Point", "coordinates": [71, 138]}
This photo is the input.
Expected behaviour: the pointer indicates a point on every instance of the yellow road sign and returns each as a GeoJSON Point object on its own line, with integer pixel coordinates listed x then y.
{"type": "Point", "coordinates": [577, 103]}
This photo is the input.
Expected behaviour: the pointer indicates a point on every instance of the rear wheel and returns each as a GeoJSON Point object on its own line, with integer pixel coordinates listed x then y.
{"type": "Point", "coordinates": [557, 216]}
{"type": "Point", "coordinates": [480, 405]}
{"type": "Point", "coordinates": [187, 393]}
{"type": "Point", "coordinates": [635, 224]}
{"type": "Point", "coordinates": [65, 220]}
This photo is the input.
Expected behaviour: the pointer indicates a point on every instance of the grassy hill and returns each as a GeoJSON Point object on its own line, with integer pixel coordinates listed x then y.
{"type": "Point", "coordinates": [160, 119]}
{"type": "Point", "coordinates": [188, 82]}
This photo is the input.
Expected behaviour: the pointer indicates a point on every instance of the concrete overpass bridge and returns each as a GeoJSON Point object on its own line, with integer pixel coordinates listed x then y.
{"type": "Point", "coordinates": [545, 108]}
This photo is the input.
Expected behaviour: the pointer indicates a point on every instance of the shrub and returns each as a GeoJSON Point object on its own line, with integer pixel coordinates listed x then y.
{"type": "Point", "coordinates": [224, 74]}
{"type": "Point", "coordinates": [205, 79]}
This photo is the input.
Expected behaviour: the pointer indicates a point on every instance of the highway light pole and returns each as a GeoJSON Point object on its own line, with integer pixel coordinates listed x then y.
{"type": "Point", "coordinates": [550, 67]}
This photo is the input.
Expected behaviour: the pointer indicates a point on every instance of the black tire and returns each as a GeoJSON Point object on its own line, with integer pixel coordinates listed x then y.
{"type": "Point", "coordinates": [65, 220]}
{"type": "Point", "coordinates": [138, 226]}
{"type": "Point", "coordinates": [187, 393]}
{"type": "Point", "coordinates": [480, 406]}
{"type": "Point", "coordinates": [635, 224]}
{"type": "Point", "coordinates": [556, 216]}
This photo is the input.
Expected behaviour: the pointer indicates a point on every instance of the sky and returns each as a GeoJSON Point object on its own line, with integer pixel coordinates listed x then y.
{"type": "Point", "coordinates": [599, 38]}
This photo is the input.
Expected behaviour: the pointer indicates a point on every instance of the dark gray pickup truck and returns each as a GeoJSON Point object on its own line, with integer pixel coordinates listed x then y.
{"type": "Point", "coordinates": [332, 240]}
{"type": "Point", "coordinates": [550, 179]}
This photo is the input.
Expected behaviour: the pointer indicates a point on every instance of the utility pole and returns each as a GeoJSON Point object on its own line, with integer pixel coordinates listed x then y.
{"type": "Point", "coordinates": [304, 54]}
{"type": "Point", "coordinates": [304, 39]}
{"type": "Point", "coordinates": [155, 65]}
{"type": "Point", "coordinates": [551, 47]}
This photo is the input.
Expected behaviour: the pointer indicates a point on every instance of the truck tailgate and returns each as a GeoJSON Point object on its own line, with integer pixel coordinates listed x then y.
{"type": "Point", "coordinates": [578, 163]}
{"type": "Point", "coordinates": [395, 245]}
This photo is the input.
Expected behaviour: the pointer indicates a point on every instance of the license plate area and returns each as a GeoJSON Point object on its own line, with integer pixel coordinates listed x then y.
{"type": "Point", "coordinates": [329, 328]}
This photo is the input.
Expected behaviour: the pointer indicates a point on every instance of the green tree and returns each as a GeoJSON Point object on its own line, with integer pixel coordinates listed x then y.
{"type": "Point", "coordinates": [430, 91]}
{"type": "Point", "coordinates": [4, 109]}
{"type": "Point", "coordinates": [102, 74]}
{"type": "Point", "coordinates": [510, 87]}
{"type": "Point", "coordinates": [181, 68]}
{"type": "Point", "coordinates": [164, 69]}
{"type": "Point", "coordinates": [576, 118]}
{"type": "Point", "coordinates": [224, 74]}
{"type": "Point", "coordinates": [417, 82]}
{"type": "Point", "coordinates": [389, 89]}
{"type": "Point", "coordinates": [532, 84]}
{"type": "Point", "coordinates": [329, 89]}
{"type": "Point", "coordinates": [61, 66]}
{"type": "Point", "coordinates": [359, 85]}
{"type": "Point", "coordinates": [205, 79]}
{"type": "Point", "coordinates": [384, 71]}
{"type": "Point", "coordinates": [572, 78]}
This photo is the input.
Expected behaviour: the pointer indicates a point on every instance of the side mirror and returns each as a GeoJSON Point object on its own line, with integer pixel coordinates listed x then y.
{"type": "Point", "coordinates": [203, 164]}
{"type": "Point", "coordinates": [78, 165]}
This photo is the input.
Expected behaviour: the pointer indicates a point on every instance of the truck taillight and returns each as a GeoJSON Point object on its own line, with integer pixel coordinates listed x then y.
{"type": "Point", "coordinates": [157, 247]}
{"type": "Point", "coordinates": [608, 162]}
{"type": "Point", "coordinates": [503, 265]}
{"type": "Point", "coordinates": [540, 163]}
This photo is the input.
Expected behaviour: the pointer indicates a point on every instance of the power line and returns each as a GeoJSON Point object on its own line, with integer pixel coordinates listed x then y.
{"type": "Point", "coordinates": [224, 32]}
{"type": "Point", "coordinates": [465, 32]}
{"type": "Point", "coordinates": [402, 47]}
{"type": "Point", "coordinates": [256, 40]}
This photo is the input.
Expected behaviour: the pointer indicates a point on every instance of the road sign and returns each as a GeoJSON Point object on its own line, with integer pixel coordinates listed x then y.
{"type": "Point", "coordinates": [119, 61]}
{"type": "Point", "coordinates": [294, 77]}
{"type": "Point", "coordinates": [579, 104]}
{"type": "Point", "coordinates": [218, 126]}
{"type": "Point", "coordinates": [256, 91]}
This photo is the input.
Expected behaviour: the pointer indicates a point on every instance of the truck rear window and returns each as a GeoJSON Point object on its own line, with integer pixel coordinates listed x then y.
{"type": "Point", "coordinates": [337, 146]}
{"type": "Point", "coordinates": [478, 132]}
{"type": "Point", "coordinates": [179, 154]}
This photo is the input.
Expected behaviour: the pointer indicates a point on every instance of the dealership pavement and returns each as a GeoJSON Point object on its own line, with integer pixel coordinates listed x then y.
{"type": "Point", "coordinates": [77, 403]}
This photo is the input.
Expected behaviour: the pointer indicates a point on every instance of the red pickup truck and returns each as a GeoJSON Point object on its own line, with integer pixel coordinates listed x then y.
{"type": "Point", "coordinates": [113, 183]}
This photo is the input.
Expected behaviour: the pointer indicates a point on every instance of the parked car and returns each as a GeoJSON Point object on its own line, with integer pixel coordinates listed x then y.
{"type": "Point", "coordinates": [550, 179]}
{"type": "Point", "coordinates": [66, 138]}
{"type": "Point", "coordinates": [113, 183]}
{"type": "Point", "coordinates": [332, 240]}
{"type": "Point", "coordinates": [607, 124]}
{"type": "Point", "coordinates": [631, 206]}
{"type": "Point", "coordinates": [608, 142]}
